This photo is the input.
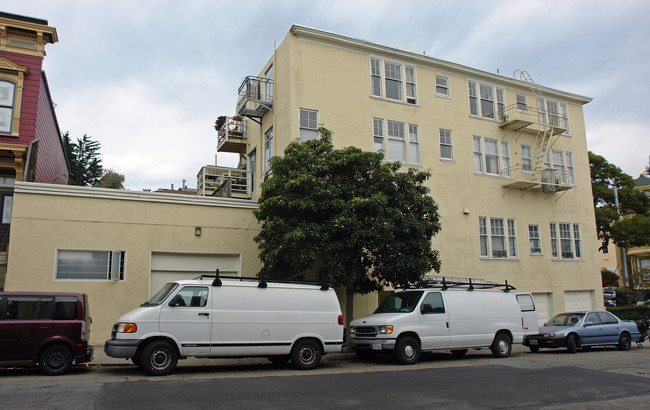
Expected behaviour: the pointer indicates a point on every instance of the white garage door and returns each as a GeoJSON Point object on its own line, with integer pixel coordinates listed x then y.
{"type": "Point", "coordinates": [543, 307]}
{"type": "Point", "coordinates": [578, 300]}
{"type": "Point", "coordinates": [167, 266]}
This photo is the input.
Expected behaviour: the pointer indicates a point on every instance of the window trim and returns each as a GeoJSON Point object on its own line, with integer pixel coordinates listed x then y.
{"type": "Point", "coordinates": [379, 134]}
{"type": "Point", "coordinates": [308, 127]}
{"type": "Point", "coordinates": [480, 150]}
{"type": "Point", "coordinates": [534, 251]}
{"type": "Point", "coordinates": [447, 93]}
{"type": "Point", "coordinates": [379, 78]}
{"type": "Point", "coordinates": [493, 95]}
{"type": "Point", "coordinates": [111, 264]}
{"type": "Point", "coordinates": [450, 144]}
{"type": "Point", "coordinates": [574, 240]}
{"type": "Point", "coordinates": [489, 231]}
{"type": "Point", "coordinates": [268, 144]}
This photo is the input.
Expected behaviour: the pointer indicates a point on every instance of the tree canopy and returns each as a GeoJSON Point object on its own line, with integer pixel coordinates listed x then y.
{"type": "Point", "coordinates": [111, 179]}
{"type": "Point", "coordinates": [355, 220]}
{"type": "Point", "coordinates": [84, 161]}
{"type": "Point", "coordinates": [632, 230]}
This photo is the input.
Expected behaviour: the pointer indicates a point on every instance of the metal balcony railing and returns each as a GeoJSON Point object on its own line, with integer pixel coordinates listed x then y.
{"type": "Point", "coordinates": [255, 96]}
{"type": "Point", "coordinates": [538, 179]}
{"type": "Point", "coordinates": [223, 181]}
{"type": "Point", "coordinates": [525, 118]}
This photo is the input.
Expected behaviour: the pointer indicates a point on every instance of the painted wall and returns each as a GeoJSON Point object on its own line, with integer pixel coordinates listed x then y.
{"type": "Point", "coordinates": [50, 217]}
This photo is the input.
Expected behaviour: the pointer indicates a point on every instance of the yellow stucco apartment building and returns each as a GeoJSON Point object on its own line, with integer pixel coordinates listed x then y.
{"type": "Point", "coordinates": [508, 158]}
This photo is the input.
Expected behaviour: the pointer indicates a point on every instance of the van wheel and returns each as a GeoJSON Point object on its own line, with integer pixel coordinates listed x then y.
{"type": "Point", "coordinates": [407, 350]}
{"type": "Point", "coordinates": [306, 354]}
{"type": "Point", "coordinates": [158, 358]}
{"type": "Point", "coordinates": [571, 344]}
{"type": "Point", "coordinates": [459, 352]}
{"type": "Point", "coordinates": [279, 360]}
{"type": "Point", "coordinates": [55, 360]}
{"type": "Point", "coordinates": [501, 346]}
{"type": "Point", "coordinates": [624, 342]}
{"type": "Point", "coordinates": [137, 358]}
{"type": "Point", "coordinates": [366, 355]}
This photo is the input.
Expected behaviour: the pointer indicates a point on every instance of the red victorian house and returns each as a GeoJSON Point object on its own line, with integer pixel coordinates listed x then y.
{"type": "Point", "coordinates": [31, 148]}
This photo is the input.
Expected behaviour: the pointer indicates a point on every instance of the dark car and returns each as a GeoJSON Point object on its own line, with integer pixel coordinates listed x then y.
{"type": "Point", "coordinates": [50, 330]}
{"type": "Point", "coordinates": [585, 329]}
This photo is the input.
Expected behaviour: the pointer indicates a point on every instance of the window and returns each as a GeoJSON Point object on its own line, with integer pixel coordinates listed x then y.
{"type": "Point", "coordinates": [496, 155]}
{"type": "Point", "coordinates": [604, 246]}
{"type": "Point", "coordinates": [560, 165]}
{"type": "Point", "coordinates": [6, 106]}
{"type": "Point", "coordinates": [192, 296]}
{"type": "Point", "coordinates": [399, 81]}
{"type": "Point", "coordinates": [28, 308]}
{"type": "Point", "coordinates": [268, 84]}
{"type": "Point", "coordinates": [500, 242]}
{"type": "Point", "coordinates": [375, 76]}
{"type": "Point", "coordinates": [522, 102]}
{"type": "Point", "coordinates": [526, 157]}
{"type": "Point", "coordinates": [446, 144]}
{"type": "Point", "coordinates": [252, 168]}
{"type": "Point", "coordinates": [534, 241]}
{"type": "Point", "coordinates": [308, 125]}
{"type": "Point", "coordinates": [554, 113]}
{"type": "Point", "coordinates": [268, 148]}
{"type": "Point", "coordinates": [396, 145]}
{"type": "Point", "coordinates": [526, 302]}
{"type": "Point", "coordinates": [92, 265]}
{"type": "Point", "coordinates": [442, 86]}
{"type": "Point", "coordinates": [501, 104]}
{"type": "Point", "coordinates": [435, 300]}
{"type": "Point", "coordinates": [487, 100]}
{"type": "Point", "coordinates": [568, 244]}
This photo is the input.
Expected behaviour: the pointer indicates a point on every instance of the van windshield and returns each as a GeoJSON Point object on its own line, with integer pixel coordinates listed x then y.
{"type": "Point", "coordinates": [402, 302]}
{"type": "Point", "coordinates": [161, 295]}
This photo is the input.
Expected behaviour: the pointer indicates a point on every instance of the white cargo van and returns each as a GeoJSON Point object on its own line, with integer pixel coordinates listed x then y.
{"type": "Point", "coordinates": [454, 314]}
{"type": "Point", "coordinates": [230, 317]}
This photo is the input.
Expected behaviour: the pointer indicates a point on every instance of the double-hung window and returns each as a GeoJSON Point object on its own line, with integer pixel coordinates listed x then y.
{"type": "Point", "coordinates": [526, 157]}
{"type": "Point", "coordinates": [522, 102]}
{"type": "Point", "coordinates": [90, 264]}
{"type": "Point", "coordinates": [565, 240]}
{"type": "Point", "coordinates": [442, 86]}
{"type": "Point", "coordinates": [446, 144]}
{"type": "Point", "coordinates": [397, 81]}
{"type": "Point", "coordinates": [7, 91]}
{"type": "Point", "coordinates": [554, 113]}
{"type": "Point", "coordinates": [497, 156]}
{"type": "Point", "coordinates": [487, 102]}
{"type": "Point", "coordinates": [395, 144]}
{"type": "Point", "coordinates": [534, 241]}
{"type": "Point", "coordinates": [497, 237]}
{"type": "Point", "coordinates": [308, 125]}
{"type": "Point", "coordinates": [268, 148]}
{"type": "Point", "coordinates": [559, 164]}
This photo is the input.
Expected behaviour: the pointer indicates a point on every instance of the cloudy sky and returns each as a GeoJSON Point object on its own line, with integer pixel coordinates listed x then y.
{"type": "Point", "coordinates": [148, 78]}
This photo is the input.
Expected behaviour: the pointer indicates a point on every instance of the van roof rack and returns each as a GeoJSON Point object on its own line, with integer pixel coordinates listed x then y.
{"type": "Point", "coordinates": [263, 281]}
{"type": "Point", "coordinates": [444, 283]}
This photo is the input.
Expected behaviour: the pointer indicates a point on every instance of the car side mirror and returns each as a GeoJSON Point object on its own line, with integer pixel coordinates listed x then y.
{"type": "Point", "coordinates": [177, 300]}
{"type": "Point", "coordinates": [426, 308]}
{"type": "Point", "coordinates": [588, 324]}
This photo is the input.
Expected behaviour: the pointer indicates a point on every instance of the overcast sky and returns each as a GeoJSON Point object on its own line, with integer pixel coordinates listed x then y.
{"type": "Point", "coordinates": [148, 78]}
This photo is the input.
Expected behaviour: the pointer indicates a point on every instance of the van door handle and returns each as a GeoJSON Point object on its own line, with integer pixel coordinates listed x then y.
{"type": "Point", "coordinates": [204, 314]}
{"type": "Point", "coordinates": [447, 325]}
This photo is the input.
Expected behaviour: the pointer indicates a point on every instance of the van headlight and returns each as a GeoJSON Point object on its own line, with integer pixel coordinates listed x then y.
{"type": "Point", "coordinates": [385, 330]}
{"type": "Point", "coordinates": [127, 328]}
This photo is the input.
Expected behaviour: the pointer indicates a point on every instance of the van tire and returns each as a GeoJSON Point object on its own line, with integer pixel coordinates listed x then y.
{"type": "Point", "coordinates": [55, 360]}
{"type": "Point", "coordinates": [407, 350]}
{"type": "Point", "coordinates": [306, 354]}
{"type": "Point", "coordinates": [501, 346]}
{"type": "Point", "coordinates": [279, 360]}
{"type": "Point", "coordinates": [158, 358]}
{"type": "Point", "coordinates": [571, 345]}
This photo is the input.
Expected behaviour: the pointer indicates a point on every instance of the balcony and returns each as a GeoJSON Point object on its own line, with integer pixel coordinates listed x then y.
{"type": "Point", "coordinates": [539, 179]}
{"type": "Point", "coordinates": [255, 97]}
{"type": "Point", "coordinates": [223, 182]}
{"type": "Point", "coordinates": [231, 134]}
{"type": "Point", "coordinates": [532, 120]}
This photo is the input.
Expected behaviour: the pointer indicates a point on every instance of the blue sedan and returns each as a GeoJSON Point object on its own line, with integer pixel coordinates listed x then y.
{"type": "Point", "coordinates": [584, 329]}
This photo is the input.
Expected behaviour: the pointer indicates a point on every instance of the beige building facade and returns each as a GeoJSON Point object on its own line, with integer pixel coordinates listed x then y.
{"type": "Point", "coordinates": [119, 247]}
{"type": "Point", "coordinates": [508, 158]}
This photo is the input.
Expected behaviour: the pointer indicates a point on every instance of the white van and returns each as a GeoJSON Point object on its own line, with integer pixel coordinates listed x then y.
{"type": "Point", "coordinates": [454, 314]}
{"type": "Point", "coordinates": [230, 317]}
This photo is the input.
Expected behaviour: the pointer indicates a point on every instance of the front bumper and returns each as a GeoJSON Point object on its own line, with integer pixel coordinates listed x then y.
{"type": "Point", "coordinates": [375, 344]}
{"type": "Point", "coordinates": [121, 348]}
{"type": "Point", "coordinates": [544, 341]}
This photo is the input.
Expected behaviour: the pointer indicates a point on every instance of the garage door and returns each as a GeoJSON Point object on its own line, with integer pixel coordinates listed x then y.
{"type": "Point", "coordinates": [578, 300]}
{"type": "Point", "coordinates": [167, 266]}
{"type": "Point", "coordinates": [543, 307]}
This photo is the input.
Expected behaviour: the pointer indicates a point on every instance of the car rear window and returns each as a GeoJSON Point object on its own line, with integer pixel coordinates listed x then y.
{"type": "Point", "coordinates": [65, 308]}
{"type": "Point", "coordinates": [28, 308]}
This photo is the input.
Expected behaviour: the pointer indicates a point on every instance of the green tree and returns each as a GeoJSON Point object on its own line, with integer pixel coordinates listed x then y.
{"type": "Point", "coordinates": [634, 205]}
{"type": "Point", "coordinates": [346, 215]}
{"type": "Point", "coordinates": [111, 179]}
{"type": "Point", "coordinates": [83, 158]}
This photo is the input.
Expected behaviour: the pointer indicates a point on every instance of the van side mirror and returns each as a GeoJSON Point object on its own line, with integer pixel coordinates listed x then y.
{"type": "Point", "coordinates": [426, 308]}
{"type": "Point", "coordinates": [177, 300]}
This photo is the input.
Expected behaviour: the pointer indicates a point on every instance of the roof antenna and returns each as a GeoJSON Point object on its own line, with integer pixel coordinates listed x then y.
{"type": "Point", "coordinates": [216, 281]}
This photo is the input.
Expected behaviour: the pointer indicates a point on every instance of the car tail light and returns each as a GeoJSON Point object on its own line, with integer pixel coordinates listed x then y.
{"type": "Point", "coordinates": [84, 333]}
{"type": "Point", "coordinates": [340, 320]}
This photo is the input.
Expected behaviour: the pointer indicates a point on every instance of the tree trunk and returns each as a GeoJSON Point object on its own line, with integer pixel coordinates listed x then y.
{"type": "Point", "coordinates": [349, 303]}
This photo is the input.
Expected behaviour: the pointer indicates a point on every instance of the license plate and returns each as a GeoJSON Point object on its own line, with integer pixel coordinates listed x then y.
{"type": "Point", "coordinates": [376, 346]}
{"type": "Point", "coordinates": [533, 342]}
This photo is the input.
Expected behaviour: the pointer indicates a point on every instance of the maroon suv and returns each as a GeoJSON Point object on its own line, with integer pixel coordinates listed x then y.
{"type": "Point", "coordinates": [46, 329]}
